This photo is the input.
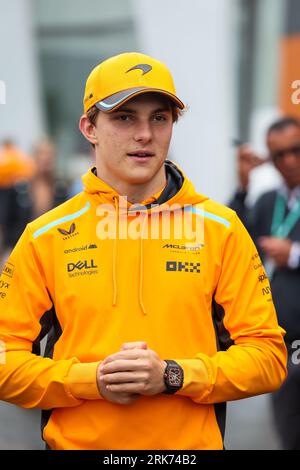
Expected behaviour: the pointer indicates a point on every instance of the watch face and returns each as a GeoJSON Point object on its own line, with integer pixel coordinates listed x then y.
{"type": "Point", "coordinates": [174, 377]}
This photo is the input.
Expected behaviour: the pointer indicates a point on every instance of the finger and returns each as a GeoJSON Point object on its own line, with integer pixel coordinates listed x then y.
{"type": "Point", "coordinates": [131, 396]}
{"type": "Point", "coordinates": [263, 239]}
{"type": "Point", "coordinates": [134, 345]}
{"type": "Point", "coordinates": [120, 365]}
{"type": "Point", "coordinates": [129, 354]}
{"type": "Point", "coordinates": [257, 160]}
{"type": "Point", "coordinates": [269, 254]}
{"type": "Point", "coordinates": [245, 149]}
{"type": "Point", "coordinates": [126, 388]}
{"type": "Point", "coordinates": [265, 245]}
{"type": "Point", "coordinates": [272, 250]}
{"type": "Point", "coordinates": [265, 248]}
{"type": "Point", "coordinates": [123, 377]}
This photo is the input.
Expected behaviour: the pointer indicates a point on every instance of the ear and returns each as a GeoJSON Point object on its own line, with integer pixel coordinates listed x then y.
{"type": "Point", "coordinates": [88, 129]}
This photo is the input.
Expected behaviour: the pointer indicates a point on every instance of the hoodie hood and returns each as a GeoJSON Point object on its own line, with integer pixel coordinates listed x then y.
{"type": "Point", "coordinates": [178, 189]}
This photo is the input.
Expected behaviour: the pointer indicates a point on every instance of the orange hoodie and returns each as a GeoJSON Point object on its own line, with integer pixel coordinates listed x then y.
{"type": "Point", "coordinates": [206, 304]}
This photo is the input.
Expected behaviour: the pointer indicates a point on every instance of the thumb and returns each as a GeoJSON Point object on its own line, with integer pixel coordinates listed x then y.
{"type": "Point", "coordinates": [134, 345]}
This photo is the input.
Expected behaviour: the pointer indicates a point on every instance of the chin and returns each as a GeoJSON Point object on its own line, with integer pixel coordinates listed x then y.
{"type": "Point", "coordinates": [140, 177]}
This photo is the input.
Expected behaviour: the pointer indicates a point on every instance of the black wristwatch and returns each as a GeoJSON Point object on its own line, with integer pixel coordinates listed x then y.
{"type": "Point", "coordinates": [173, 377]}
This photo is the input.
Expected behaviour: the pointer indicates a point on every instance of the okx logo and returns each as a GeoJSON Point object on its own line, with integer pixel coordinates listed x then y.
{"type": "Point", "coordinates": [183, 266]}
{"type": "Point", "coordinates": [68, 233]}
{"type": "Point", "coordinates": [82, 268]}
{"type": "Point", "coordinates": [8, 270]}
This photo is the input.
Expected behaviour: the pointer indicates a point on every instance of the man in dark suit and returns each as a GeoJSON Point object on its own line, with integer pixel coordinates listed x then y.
{"type": "Point", "coordinates": [274, 224]}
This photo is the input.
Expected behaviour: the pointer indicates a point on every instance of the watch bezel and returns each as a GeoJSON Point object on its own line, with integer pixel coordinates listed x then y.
{"type": "Point", "coordinates": [173, 388]}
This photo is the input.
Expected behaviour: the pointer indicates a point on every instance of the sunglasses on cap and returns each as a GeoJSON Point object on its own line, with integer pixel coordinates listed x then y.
{"type": "Point", "coordinates": [280, 154]}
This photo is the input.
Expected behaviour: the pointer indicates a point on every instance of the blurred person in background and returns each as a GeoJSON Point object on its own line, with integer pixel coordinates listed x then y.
{"type": "Point", "coordinates": [274, 223]}
{"type": "Point", "coordinates": [15, 165]}
{"type": "Point", "coordinates": [247, 160]}
{"type": "Point", "coordinates": [80, 163]}
{"type": "Point", "coordinates": [46, 190]}
{"type": "Point", "coordinates": [31, 189]}
{"type": "Point", "coordinates": [16, 170]}
{"type": "Point", "coordinates": [151, 335]}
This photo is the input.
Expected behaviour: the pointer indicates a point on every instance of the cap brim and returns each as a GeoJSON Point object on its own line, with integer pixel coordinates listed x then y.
{"type": "Point", "coordinates": [117, 99]}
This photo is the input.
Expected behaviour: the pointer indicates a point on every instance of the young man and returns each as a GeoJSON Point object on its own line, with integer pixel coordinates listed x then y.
{"type": "Point", "coordinates": [151, 330]}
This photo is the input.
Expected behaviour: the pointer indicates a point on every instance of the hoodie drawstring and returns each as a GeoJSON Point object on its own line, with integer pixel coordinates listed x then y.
{"type": "Point", "coordinates": [142, 266]}
{"type": "Point", "coordinates": [114, 267]}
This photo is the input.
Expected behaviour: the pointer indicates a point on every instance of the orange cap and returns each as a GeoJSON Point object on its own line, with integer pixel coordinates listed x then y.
{"type": "Point", "coordinates": [120, 78]}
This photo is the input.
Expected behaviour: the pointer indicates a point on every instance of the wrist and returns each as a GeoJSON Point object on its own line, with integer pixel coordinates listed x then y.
{"type": "Point", "coordinates": [164, 366]}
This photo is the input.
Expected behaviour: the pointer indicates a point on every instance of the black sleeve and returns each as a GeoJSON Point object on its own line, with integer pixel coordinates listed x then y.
{"type": "Point", "coordinates": [237, 203]}
{"type": "Point", "coordinates": [260, 217]}
{"type": "Point", "coordinates": [18, 213]}
{"type": "Point", "coordinates": [4, 199]}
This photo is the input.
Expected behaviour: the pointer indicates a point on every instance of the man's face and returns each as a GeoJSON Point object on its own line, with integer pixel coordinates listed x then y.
{"type": "Point", "coordinates": [133, 141]}
{"type": "Point", "coordinates": [284, 147]}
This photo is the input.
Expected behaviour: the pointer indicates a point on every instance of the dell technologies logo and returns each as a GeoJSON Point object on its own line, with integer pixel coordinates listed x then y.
{"type": "Point", "coordinates": [82, 268]}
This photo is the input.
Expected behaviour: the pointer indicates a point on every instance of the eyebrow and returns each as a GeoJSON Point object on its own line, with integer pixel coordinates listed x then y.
{"type": "Point", "coordinates": [133, 111]}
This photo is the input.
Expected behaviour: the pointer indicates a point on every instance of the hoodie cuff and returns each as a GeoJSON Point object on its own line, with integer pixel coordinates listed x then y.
{"type": "Point", "coordinates": [81, 381]}
{"type": "Point", "coordinates": [196, 379]}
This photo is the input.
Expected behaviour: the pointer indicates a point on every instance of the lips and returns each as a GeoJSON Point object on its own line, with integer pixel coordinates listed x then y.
{"type": "Point", "coordinates": [141, 154]}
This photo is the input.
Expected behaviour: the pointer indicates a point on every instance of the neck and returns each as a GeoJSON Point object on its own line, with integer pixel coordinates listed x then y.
{"type": "Point", "coordinates": [135, 193]}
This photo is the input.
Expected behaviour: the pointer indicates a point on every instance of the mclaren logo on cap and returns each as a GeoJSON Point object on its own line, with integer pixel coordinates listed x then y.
{"type": "Point", "coordinates": [144, 67]}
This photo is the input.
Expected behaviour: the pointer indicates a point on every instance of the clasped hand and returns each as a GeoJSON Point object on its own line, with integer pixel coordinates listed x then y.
{"type": "Point", "coordinates": [133, 371]}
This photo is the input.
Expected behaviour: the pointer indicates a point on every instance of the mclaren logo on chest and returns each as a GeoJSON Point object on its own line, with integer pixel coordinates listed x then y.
{"type": "Point", "coordinates": [184, 247]}
{"type": "Point", "coordinates": [183, 266]}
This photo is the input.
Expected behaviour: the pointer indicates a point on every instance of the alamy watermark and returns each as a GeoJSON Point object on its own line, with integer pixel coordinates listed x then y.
{"type": "Point", "coordinates": [162, 222]}
{"type": "Point", "coordinates": [296, 353]}
{"type": "Point", "coordinates": [296, 94]}
{"type": "Point", "coordinates": [2, 92]}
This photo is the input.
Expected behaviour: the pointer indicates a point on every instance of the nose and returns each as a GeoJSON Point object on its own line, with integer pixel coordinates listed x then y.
{"type": "Point", "coordinates": [290, 158]}
{"type": "Point", "coordinates": [143, 132]}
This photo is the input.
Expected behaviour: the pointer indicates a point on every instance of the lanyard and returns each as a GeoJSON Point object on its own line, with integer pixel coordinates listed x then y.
{"type": "Point", "coordinates": [281, 226]}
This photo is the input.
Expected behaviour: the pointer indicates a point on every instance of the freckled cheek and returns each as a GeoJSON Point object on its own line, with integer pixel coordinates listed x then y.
{"type": "Point", "coordinates": [113, 143]}
{"type": "Point", "coordinates": [164, 141]}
